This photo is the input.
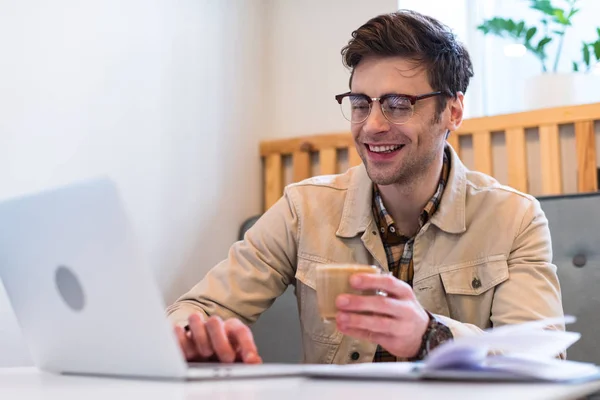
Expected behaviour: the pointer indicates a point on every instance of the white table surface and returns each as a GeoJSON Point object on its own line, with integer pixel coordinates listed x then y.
{"type": "Point", "coordinates": [29, 383]}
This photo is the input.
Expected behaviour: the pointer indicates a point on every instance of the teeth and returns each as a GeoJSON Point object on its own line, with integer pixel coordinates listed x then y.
{"type": "Point", "coordinates": [383, 149]}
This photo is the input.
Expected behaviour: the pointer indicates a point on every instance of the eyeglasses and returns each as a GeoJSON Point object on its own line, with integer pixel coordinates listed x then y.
{"type": "Point", "coordinates": [396, 108]}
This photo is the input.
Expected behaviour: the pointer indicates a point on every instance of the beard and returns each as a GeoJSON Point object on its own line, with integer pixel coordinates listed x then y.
{"type": "Point", "coordinates": [407, 173]}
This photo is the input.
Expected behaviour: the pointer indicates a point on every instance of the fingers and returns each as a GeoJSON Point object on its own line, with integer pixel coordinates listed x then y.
{"type": "Point", "coordinates": [215, 339]}
{"type": "Point", "coordinates": [373, 323]}
{"type": "Point", "coordinates": [215, 327]}
{"type": "Point", "coordinates": [392, 286]}
{"type": "Point", "coordinates": [241, 338]}
{"type": "Point", "coordinates": [199, 336]}
{"type": "Point", "coordinates": [374, 304]}
{"type": "Point", "coordinates": [377, 338]}
{"type": "Point", "coordinates": [186, 344]}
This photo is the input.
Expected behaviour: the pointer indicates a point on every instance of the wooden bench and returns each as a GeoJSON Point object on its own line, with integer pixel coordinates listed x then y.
{"type": "Point", "coordinates": [510, 147]}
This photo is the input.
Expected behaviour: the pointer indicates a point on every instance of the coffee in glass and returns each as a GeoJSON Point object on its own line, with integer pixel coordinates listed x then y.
{"type": "Point", "coordinates": [333, 280]}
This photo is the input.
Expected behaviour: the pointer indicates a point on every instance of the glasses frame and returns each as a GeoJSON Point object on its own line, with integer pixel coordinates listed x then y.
{"type": "Point", "coordinates": [412, 99]}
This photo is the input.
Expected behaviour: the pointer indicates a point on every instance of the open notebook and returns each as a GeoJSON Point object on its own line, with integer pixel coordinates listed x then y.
{"type": "Point", "coordinates": [522, 352]}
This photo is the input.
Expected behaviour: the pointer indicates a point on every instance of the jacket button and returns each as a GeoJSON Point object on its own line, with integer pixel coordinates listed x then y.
{"type": "Point", "coordinates": [579, 260]}
{"type": "Point", "coordinates": [476, 283]}
{"type": "Point", "coordinates": [355, 356]}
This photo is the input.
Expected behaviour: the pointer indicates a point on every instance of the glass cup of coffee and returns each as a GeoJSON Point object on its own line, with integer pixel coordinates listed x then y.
{"type": "Point", "coordinates": [334, 279]}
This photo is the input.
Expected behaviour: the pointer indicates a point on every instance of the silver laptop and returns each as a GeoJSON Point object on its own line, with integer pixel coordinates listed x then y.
{"type": "Point", "coordinates": [84, 299]}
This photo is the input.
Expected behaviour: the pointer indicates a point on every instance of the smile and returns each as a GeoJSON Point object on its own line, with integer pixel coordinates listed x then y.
{"type": "Point", "coordinates": [384, 148]}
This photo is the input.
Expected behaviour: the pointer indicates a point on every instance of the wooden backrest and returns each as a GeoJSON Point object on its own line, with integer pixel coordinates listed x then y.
{"type": "Point", "coordinates": [292, 160]}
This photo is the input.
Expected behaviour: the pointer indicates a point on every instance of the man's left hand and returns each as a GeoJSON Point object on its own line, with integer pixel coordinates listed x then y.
{"type": "Point", "coordinates": [397, 321]}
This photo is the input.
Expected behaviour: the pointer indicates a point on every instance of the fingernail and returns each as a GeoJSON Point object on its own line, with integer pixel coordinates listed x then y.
{"type": "Point", "coordinates": [355, 280]}
{"type": "Point", "coordinates": [343, 300]}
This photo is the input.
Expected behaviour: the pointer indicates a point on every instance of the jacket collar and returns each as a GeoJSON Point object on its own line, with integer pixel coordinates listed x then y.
{"type": "Point", "coordinates": [357, 214]}
{"type": "Point", "coordinates": [450, 215]}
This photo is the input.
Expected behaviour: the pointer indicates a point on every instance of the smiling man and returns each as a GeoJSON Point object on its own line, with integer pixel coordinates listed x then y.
{"type": "Point", "coordinates": [465, 253]}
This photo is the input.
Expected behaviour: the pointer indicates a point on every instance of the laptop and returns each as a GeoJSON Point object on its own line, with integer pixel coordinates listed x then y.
{"type": "Point", "coordinates": [84, 299]}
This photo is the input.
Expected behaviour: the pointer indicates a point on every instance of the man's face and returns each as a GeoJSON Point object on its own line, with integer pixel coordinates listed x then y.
{"type": "Point", "coordinates": [417, 142]}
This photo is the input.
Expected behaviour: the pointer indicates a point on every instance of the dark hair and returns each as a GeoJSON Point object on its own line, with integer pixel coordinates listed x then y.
{"type": "Point", "coordinates": [417, 37]}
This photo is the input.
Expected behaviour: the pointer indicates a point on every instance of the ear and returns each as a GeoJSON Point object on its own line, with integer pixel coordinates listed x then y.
{"type": "Point", "coordinates": [456, 106]}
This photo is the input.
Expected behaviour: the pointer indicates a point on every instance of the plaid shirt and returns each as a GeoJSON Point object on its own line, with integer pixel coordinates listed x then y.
{"type": "Point", "coordinates": [399, 248]}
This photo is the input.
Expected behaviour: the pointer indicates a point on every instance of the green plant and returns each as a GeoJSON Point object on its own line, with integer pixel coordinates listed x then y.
{"type": "Point", "coordinates": [587, 49]}
{"type": "Point", "coordinates": [554, 22]}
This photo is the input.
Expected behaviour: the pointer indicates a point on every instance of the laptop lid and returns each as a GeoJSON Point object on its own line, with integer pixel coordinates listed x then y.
{"type": "Point", "coordinates": [82, 296]}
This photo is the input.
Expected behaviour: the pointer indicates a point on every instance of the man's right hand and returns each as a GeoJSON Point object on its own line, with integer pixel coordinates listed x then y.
{"type": "Point", "coordinates": [215, 340]}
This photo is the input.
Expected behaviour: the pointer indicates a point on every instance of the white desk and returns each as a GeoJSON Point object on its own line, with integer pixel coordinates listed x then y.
{"type": "Point", "coordinates": [28, 384]}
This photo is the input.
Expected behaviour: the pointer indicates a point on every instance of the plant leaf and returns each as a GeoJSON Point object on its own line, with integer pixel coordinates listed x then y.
{"type": "Point", "coordinates": [490, 26]}
{"type": "Point", "coordinates": [530, 33]}
{"type": "Point", "coordinates": [520, 27]}
{"type": "Point", "coordinates": [598, 30]}
{"type": "Point", "coordinates": [575, 67]}
{"type": "Point", "coordinates": [573, 12]}
{"type": "Point", "coordinates": [597, 50]}
{"type": "Point", "coordinates": [497, 26]}
{"type": "Point", "coordinates": [586, 54]}
{"type": "Point", "coordinates": [559, 16]}
{"type": "Point", "coordinates": [511, 26]}
{"type": "Point", "coordinates": [544, 42]}
{"type": "Point", "coordinates": [544, 6]}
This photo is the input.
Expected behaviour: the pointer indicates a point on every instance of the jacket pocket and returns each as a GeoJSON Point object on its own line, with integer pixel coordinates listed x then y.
{"type": "Point", "coordinates": [310, 319]}
{"type": "Point", "coordinates": [474, 277]}
{"type": "Point", "coordinates": [469, 288]}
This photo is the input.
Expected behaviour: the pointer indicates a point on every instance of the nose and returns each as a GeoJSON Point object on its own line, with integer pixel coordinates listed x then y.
{"type": "Point", "coordinates": [376, 122]}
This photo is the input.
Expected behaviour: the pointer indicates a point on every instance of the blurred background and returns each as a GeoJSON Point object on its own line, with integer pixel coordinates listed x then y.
{"type": "Point", "coordinates": [171, 98]}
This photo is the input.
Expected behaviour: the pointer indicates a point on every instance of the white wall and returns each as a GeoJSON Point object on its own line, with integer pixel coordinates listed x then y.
{"type": "Point", "coordinates": [163, 96]}
{"type": "Point", "coordinates": [305, 67]}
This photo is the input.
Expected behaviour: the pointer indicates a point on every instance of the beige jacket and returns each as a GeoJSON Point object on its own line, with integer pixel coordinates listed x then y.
{"type": "Point", "coordinates": [483, 260]}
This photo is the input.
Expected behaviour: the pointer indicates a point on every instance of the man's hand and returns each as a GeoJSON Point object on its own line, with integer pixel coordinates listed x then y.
{"type": "Point", "coordinates": [397, 321]}
{"type": "Point", "coordinates": [215, 340]}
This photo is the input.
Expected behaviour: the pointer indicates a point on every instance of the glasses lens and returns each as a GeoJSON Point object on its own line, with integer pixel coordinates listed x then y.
{"type": "Point", "coordinates": [355, 108]}
{"type": "Point", "coordinates": [397, 109]}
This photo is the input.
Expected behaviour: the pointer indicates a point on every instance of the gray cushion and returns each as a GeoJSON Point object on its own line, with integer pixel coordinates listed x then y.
{"type": "Point", "coordinates": [574, 224]}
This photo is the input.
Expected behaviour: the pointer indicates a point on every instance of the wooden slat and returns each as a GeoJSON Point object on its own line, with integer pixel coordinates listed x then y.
{"type": "Point", "coordinates": [531, 119]}
{"type": "Point", "coordinates": [273, 180]}
{"type": "Point", "coordinates": [516, 151]}
{"type": "Point", "coordinates": [454, 141]}
{"type": "Point", "coordinates": [587, 175]}
{"type": "Point", "coordinates": [550, 160]}
{"type": "Point", "coordinates": [353, 157]}
{"type": "Point", "coordinates": [482, 149]}
{"type": "Point", "coordinates": [547, 116]}
{"type": "Point", "coordinates": [314, 143]}
{"type": "Point", "coordinates": [328, 161]}
{"type": "Point", "coordinates": [301, 165]}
